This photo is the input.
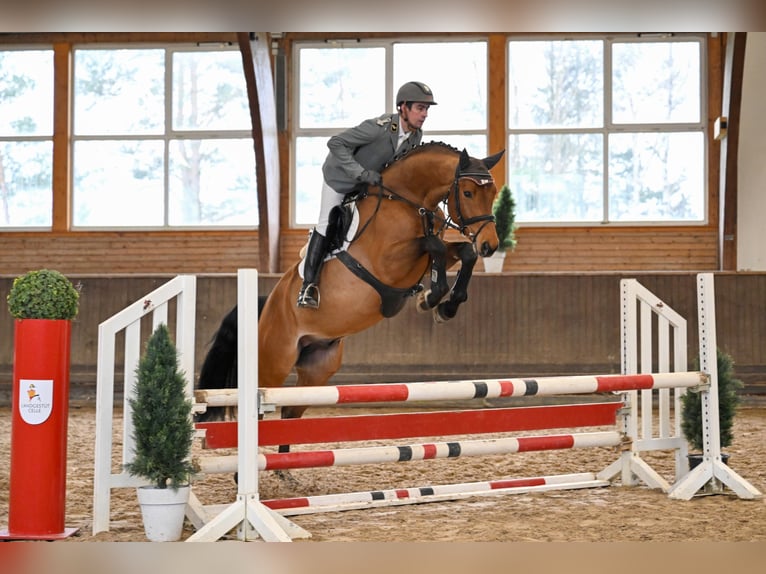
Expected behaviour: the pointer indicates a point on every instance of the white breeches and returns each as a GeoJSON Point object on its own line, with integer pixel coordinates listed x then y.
{"type": "Point", "coordinates": [330, 198]}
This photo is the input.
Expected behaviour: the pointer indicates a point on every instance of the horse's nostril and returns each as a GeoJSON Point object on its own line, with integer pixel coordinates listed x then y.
{"type": "Point", "coordinates": [486, 249]}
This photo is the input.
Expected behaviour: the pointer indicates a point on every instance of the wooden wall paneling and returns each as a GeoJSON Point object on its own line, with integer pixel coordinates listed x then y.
{"type": "Point", "coordinates": [589, 249]}
{"type": "Point", "coordinates": [135, 252]}
{"type": "Point", "coordinates": [740, 301]}
{"type": "Point", "coordinates": [593, 249]}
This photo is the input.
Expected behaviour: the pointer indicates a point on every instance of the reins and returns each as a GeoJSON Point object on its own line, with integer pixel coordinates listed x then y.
{"type": "Point", "coordinates": [429, 217]}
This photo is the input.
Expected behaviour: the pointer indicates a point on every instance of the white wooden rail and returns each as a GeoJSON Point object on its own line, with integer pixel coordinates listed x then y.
{"type": "Point", "coordinates": [183, 289]}
{"type": "Point", "coordinates": [644, 316]}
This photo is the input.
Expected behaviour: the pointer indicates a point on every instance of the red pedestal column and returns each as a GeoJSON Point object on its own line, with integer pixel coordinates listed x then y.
{"type": "Point", "coordinates": [39, 430]}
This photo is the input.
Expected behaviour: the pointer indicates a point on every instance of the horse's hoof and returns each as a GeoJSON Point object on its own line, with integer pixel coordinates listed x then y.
{"type": "Point", "coordinates": [286, 477]}
{"type": "Point", "coordinates": [439, 317]}
{"type": "Point", "coordinates": [421, 303]}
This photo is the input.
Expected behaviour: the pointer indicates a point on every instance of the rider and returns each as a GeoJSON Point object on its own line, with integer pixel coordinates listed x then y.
{"type": "Point", "coordinates": [356, 157]}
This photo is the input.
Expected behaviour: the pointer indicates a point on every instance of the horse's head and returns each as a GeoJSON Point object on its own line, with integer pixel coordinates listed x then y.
{"type": "Point", "coordinates": [470, 201]}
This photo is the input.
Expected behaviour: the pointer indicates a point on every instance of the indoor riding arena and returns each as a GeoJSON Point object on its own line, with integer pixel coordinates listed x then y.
{"type": "Point", "coordinates": [176, 178]}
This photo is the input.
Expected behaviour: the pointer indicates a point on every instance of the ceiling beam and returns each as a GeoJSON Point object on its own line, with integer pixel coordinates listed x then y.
{"type": "Point", "coordinates": [734, 65]}
{"type": "Point", "coordinates": [256, 60]}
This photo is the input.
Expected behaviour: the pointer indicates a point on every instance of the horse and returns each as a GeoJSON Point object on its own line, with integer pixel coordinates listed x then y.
{"type": "Point", "coordinates": [400, 235]}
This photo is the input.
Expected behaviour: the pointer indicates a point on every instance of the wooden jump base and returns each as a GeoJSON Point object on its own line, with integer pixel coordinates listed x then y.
{"type": "Point", "coordinates": [633, 416]}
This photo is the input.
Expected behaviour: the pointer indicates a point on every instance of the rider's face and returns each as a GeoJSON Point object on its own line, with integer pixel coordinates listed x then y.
{"type": "Point", "coordinates": [415, 116]}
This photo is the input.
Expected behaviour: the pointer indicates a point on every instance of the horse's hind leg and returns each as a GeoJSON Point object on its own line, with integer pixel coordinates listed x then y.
{"type": "Point", "coordinates": [316, 364]}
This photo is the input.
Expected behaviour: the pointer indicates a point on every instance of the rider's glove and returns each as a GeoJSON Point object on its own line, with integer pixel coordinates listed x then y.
{"type": "Point", "coordinates": [370, 176]}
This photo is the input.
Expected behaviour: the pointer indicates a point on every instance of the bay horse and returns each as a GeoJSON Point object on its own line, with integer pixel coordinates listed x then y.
{"type": "Point", "coordinates": [400, 235]}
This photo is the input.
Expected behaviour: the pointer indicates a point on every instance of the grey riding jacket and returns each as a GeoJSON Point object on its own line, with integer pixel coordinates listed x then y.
{"type": "Point", "coordinates": [368, 146]}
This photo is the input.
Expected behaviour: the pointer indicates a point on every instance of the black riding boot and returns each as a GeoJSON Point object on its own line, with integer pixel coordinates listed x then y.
{"type": "Point", "coordinates": [309, 294]}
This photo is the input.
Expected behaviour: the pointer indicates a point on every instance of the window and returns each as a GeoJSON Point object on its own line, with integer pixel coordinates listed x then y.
{"type": "Point", "coordinates": [607, 130]}
{"type": "Point", "coordinates": [26, 139]}
{"type": "Point", "coordinates": [162, 138]}
{"type": "Point", "coordinates": [341, 84]}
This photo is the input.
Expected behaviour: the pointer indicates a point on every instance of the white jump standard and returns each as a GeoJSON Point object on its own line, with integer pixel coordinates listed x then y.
{"type": "Point", "coordinates": [646, 380]}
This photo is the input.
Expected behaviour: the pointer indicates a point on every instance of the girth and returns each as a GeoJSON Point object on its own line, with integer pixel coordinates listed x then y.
{"type": "Point", "coordinates": [392, 298]}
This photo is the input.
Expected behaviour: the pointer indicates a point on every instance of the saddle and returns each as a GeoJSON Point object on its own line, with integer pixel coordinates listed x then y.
{"type": "Point", "coordinates": [341, 218]}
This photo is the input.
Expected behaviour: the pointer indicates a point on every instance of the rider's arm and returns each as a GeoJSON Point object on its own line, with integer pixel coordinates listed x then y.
{"type": "Point", "coordinates": [345, 145]}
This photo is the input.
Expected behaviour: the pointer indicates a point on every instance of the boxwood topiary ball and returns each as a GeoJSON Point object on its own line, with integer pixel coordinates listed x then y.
{"type": "Point", "coordinates": [43, 294]}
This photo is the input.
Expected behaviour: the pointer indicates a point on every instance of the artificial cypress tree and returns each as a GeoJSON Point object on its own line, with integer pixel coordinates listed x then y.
{"type": "Point", "coordinates": [504, 211]}
{"type": "Point", "coordinates": [728, 400]}
{"type": "Point", "coordinates": [163, 429]}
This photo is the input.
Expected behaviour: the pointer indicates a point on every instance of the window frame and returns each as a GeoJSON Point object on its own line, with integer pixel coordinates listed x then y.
{"type": "Point", "coordinates": [49, 138]}
{"type": "Point", "coordinates": [168, 136]}
{"type": "Point", "coordinates": [387, 43]}
{"type": "Point", "coordinates": [610, 127]}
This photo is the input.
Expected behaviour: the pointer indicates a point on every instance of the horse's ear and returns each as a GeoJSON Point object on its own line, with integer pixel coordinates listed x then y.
{"type": "Point", "coordinates": [490, 161]}
{"type": "Point", "coordinates": [465, 160]}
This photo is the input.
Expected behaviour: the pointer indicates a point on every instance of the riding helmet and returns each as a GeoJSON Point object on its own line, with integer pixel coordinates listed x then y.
{"type": "Point", "coordinates": [415, 92]}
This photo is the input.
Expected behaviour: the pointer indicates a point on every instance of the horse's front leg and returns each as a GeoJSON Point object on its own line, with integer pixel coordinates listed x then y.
{"type": "Point", "coordinates": [436, 248]}
{"type": "Point", "coordinates": [465, 252]}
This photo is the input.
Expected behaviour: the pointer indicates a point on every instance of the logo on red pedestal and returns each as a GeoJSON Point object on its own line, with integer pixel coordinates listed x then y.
{"type": "Point", "coordinates": [35, 400]}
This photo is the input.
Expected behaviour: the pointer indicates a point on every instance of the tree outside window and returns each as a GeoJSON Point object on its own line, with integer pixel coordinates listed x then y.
{"type": "Point", "coordinates": [26, 138]}
{"type": "Point", "coordinates": [606, 131]}
{"type": "Point", "coordinates": [162, 138]}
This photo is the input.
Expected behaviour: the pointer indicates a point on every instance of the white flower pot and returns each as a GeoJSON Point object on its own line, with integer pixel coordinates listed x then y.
{"type": "Point", "coordinates": [494, 263]}
{"type": "Point", "coordinates": [163, 511]}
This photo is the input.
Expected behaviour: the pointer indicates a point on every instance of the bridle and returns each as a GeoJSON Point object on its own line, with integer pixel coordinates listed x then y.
{"type": "Point", "coordinates": [480, 178]}
{"type": "Point", "coordinates": [430, 217]}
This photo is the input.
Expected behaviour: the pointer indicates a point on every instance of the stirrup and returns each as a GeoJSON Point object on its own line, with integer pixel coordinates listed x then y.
{"type": "Point", "coordinates": [309, 296]}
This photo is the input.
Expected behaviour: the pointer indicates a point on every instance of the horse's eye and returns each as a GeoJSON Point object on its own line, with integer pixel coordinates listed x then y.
{"type": "Point", "coordinates": [467, 193]}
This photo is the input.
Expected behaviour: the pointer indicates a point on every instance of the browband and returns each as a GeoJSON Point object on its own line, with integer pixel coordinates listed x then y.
{"type": "Point", "coordinates": [478, 178]}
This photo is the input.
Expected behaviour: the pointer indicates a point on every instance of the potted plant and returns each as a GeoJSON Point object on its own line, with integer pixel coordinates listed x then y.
{"type": "Point", "coordinates": [163, 431]}
{"type": "Point", "coordinates": [728, 400]}
{"type": "Point", "coordinates": [504, 210]}
{"type": "Point", "coordinates": [43, 303]}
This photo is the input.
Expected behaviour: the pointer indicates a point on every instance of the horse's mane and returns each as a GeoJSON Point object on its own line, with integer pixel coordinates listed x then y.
{"type": "Point", "coordinates": [421, 148]}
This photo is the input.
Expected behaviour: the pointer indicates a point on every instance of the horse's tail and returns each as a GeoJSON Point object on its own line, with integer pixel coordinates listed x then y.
{"type": "Point", "coordinates": [219, 369]}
